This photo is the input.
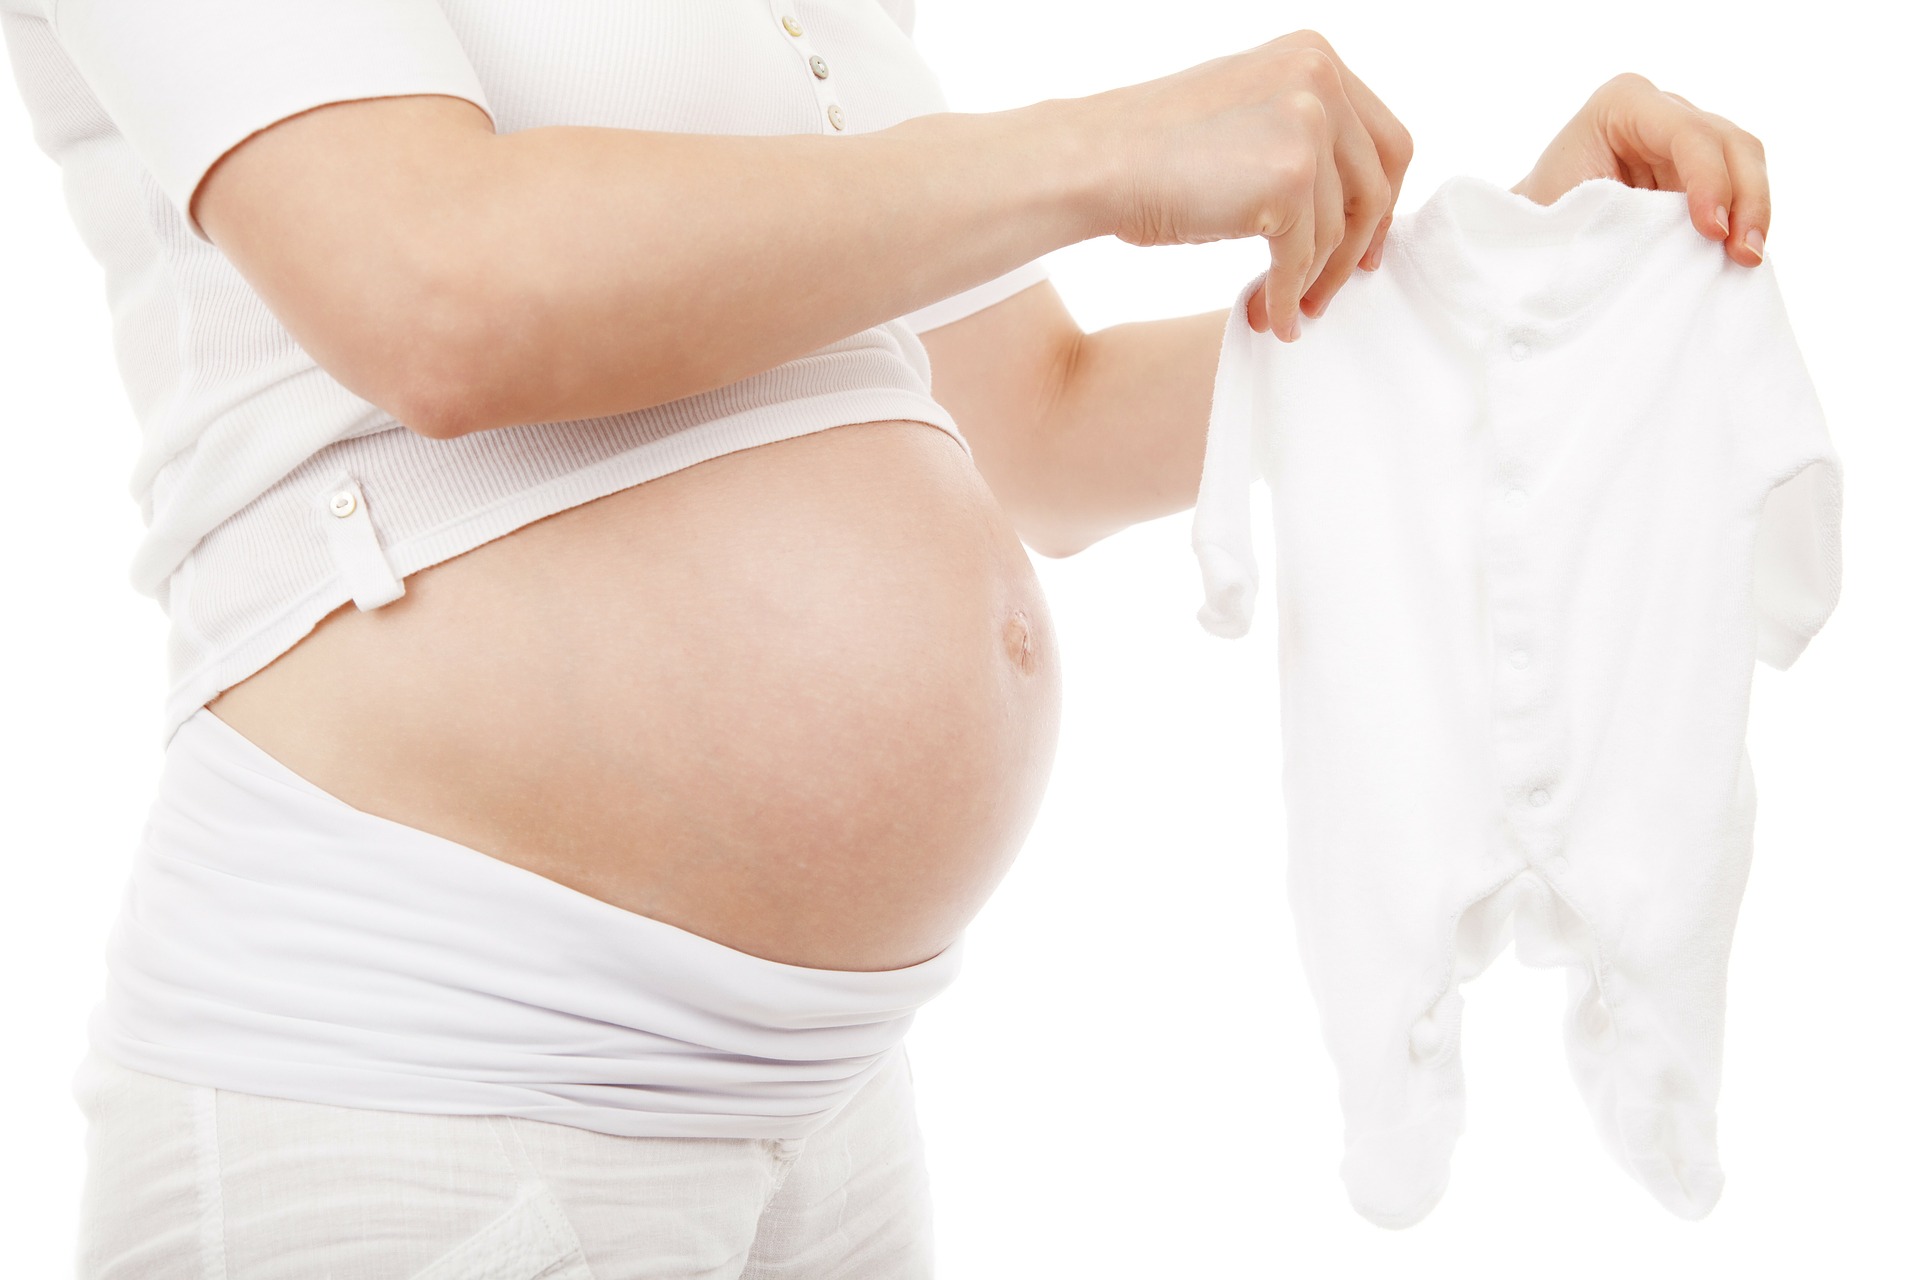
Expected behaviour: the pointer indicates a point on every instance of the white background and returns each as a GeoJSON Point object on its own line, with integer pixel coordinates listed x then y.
{"type": "Point", "coordinates": [1128, 1081]}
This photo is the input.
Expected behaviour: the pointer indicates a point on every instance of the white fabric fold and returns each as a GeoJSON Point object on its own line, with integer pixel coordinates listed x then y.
{"type": "Point", "coordinates": [275, 940]}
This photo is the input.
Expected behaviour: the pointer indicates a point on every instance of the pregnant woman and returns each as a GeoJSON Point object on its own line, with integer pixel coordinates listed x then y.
{"type": "Point", "coordinates": [588, 449]}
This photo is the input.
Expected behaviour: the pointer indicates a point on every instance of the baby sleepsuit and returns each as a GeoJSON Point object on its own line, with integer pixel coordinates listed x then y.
{"type": "Point", "coordinates": [1543, 487]}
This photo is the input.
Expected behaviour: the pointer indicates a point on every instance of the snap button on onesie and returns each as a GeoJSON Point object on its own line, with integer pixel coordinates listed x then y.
{"type": "Point", "coordinates": [1544, 486]}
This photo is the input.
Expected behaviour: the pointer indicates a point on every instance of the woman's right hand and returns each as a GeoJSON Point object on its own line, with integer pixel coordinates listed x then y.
{"type": "Point", "coordinates": [1281, 141]}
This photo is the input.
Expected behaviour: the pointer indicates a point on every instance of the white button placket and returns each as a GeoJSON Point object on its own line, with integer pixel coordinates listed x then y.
{"type": "Point", "coordinates": [833, 116]}
{"type": "Point", "coordinates": [1524, 735]}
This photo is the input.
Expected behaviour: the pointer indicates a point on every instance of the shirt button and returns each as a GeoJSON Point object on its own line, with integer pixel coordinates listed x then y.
{"type": "Point", "coordinates": [1540, 797]}
{"type": "Point", "coordinates": [1556, 865]}
{"type": "Point", "coordinates": [1519, 658]}
{"type": "Point", "coordinates": [793, 26]}
{"type": "Point", "coordinates": [1516, 496]}
{"type": "Point", "coordinates": [1519, 350]}
{"type": "Point", "coordinates": [819, 65]}
{"type": "Point", "coordinates": [835, 116]}
{"type": "Point", "coordinates": [343, 503]}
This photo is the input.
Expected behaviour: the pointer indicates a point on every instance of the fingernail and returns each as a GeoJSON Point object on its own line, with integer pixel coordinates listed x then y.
{"type": "Point", "coordinates": [1756, 242]}
{"type": "Point", "coordinates": [1293, 328]}
{"type": "Point", "coordinates": [1720, 220]}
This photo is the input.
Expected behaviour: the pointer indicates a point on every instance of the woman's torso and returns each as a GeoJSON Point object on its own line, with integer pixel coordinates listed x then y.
{"type": "Point", "coordinates": [800, 699]}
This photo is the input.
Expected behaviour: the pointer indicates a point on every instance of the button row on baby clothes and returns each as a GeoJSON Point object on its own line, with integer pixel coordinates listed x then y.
{"type": "Point", "coordinates": [1518, 657]}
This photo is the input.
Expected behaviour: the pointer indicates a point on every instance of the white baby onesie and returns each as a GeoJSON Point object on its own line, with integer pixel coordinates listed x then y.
{"type": "Point", "coordinates": [1544, 486]}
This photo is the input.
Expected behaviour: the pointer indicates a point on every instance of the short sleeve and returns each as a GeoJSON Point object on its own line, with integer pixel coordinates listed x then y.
{"type": "Point", "coordinates": [978, 298]}
{"type": "Point", "coordinates": [184, 81]}
{"type": "Point", "coordinates": [1796, 552]}
{"type": "Point", "coordinates": [901, 11]}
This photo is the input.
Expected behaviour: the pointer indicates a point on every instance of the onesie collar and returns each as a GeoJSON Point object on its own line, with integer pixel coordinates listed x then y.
{"type": "Point", "coordinates": [1467, 245]}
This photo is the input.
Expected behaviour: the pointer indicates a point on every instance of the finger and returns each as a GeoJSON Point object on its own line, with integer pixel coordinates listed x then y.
{"type": "Point", "coordinates": [1391, 142]}
{"type": "Point", "coordinates": [1292, 250]}
{"type": "Point", "coordinates": [1329, 216]}
{"type": "Point", "coordinates": [1699, 165]}
{"type": "Point", "coordinates": [1752, 201]}
{"type": "Point", "coordinates": [1667, 130]}
{"type": "Point", "coordinates": [1648, 123]}
{"type": "Point", "coordinates": [1365, 197]}
{"type": "Point", "coordinates": [1377, 249]}
{"type": "Point", "coordinates": [1327, 225]}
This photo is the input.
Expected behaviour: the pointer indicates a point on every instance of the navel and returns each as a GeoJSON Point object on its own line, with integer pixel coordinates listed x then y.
{"type": "Point", "coordinates": [1018, 636]}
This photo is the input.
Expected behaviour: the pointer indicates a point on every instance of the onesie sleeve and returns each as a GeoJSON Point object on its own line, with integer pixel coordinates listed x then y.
{"type": "Point", "coordinates": [186, 80]}
{"type": "Point", "coordinates": [1796, 551]}
{"type": "Point", "coordinates": [1222, 514]}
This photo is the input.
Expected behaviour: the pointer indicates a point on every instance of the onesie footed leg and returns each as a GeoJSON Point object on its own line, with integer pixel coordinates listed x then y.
{"type": "Point", "coordinates": [1646, 1063]}
{"type": "Point", "coordinates": [1653, 1107]}
{"type": "Point", "coordinates": [1400, 1140]}
{"type": "Point", "coordinates": [1396, 1176]}
{"type": "Point", "coordinates": [1673, 1155]}
{"type": "Point", "coordinates": [1405, 1110]}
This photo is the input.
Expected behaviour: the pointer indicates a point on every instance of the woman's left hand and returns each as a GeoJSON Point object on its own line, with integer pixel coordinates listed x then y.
{"type": "Point", "coordinates": [1645, 137]}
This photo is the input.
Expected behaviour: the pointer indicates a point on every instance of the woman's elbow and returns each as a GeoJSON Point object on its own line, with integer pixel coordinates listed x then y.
{"type": "Point", "coordinates": [1052, 539]}
{"type": "Point", "coordinates": [432, 367]}
{"type": "Point", "coordinates": [437, 415]}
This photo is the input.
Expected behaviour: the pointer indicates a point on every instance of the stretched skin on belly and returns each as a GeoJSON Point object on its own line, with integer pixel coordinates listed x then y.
{"type": "Point", "coordinates": [800, 699]}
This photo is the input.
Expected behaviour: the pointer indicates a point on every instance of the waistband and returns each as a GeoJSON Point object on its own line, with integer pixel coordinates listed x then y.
{"type": "Point", "coordinates": [275, 940]}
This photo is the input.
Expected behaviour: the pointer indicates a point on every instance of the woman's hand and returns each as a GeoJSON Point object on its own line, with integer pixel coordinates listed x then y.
{"type": "Point", "coordinates": [1637, 134]}
{"type": "Point", "coordinates": [1280, 141]}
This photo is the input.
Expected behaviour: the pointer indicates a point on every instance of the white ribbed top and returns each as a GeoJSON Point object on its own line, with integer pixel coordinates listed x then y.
{"type": "Point", "coordinates": [246, 442]}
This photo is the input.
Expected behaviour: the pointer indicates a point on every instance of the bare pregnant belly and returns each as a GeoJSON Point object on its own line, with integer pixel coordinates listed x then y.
{"type": "Point", "coordinates": [801, 699]}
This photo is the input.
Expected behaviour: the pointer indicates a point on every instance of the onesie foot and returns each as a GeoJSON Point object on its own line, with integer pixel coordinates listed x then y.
{"type": "Point", "coordinates": [1673, 1155]}
{"type": "Point", "coordinates": [1396, 1176]}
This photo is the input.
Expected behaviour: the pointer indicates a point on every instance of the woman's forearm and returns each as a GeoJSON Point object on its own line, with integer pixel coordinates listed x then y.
{"type": "Point", "coordinates": [593, 271]}
{"type": "Point", "coordinates": [1125, 436]}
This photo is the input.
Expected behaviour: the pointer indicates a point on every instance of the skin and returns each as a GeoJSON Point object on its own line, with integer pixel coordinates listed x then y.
{"type": "Point", "coordinates": [802, 698]}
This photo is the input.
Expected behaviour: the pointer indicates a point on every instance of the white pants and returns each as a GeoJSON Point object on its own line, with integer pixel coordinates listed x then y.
{"type": "Point", "coordinates": [188, 1182]}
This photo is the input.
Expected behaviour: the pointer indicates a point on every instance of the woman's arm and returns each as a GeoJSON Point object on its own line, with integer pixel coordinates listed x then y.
{"type": "Point", "coordinates": [468, 280]}
{"type": "Point", "coordinates": [1079, 435]}
{"type": "Point", "coordinates": [465, 280]}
